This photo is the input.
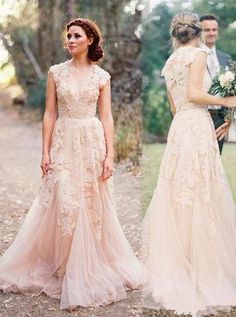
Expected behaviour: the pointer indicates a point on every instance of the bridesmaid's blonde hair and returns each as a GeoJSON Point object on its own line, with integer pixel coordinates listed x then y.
{"type": "Point", "coordinates": [185, 26]}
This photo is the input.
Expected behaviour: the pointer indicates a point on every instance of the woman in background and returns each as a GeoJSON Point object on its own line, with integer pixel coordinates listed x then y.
{"type": "Point", "coordinates": [190, 225]}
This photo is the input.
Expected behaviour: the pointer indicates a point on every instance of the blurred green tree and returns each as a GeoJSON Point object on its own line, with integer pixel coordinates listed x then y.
{"type": "Point", "coordinates": [120, 22]}
{"type": "Point", "coordinates": [156, 48]}
{"type": "Point", "coordinates": [34, 42]}
{"type": "Point", "coordinates": [226, 12]}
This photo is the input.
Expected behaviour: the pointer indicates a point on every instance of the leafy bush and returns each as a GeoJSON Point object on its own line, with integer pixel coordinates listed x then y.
{"type": "Point", "coordinates": [156, 112]}
{"type": "Point", "coordinates": [155, 51]}
{"type": "Point", "coordinates": [36, 95]}
{"type": "Point", "coordinates": [128, 137]}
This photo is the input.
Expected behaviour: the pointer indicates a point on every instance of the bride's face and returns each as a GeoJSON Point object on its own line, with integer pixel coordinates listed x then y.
{"type": "Point", "coordinates": [77, 41]}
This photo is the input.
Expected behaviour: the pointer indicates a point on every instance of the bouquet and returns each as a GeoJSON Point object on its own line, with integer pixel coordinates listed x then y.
{"type": "Point", "coordinates": [224, 85]}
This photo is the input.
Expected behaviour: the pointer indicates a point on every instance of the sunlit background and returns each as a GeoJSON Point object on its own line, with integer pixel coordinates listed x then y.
{"type": "Point", "coordinates": [137, 44]}
{"type": "Point", "coordinates": [9, 8]}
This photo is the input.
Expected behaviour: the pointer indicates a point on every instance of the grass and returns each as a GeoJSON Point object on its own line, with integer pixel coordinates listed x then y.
{"type": "Point", "coordinates": [151, 163]}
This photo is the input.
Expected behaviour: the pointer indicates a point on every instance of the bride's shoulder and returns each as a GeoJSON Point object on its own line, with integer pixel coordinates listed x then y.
{"type": "Point", "coordinates": [103, 75]}
{"type": "Point", "coordinates": [196, 51]}
{"type": "Point", "coordinates": [57, 68]}
{"type": "Point", "coordinates": [201, 49]}
{"type": "Point", "coordinates": [167, 66]}
{"type": "Point", "coordinates": [57, 71]}
{"type": "Point", "coordinates": [182, 56]}
{"type": "Point", "coordinates": [189, 54]}
{"type": "Point", "coordinates": [101, 72]}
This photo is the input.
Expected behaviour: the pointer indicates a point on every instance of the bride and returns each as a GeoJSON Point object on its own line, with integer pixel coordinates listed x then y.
{"type": "Point", "coordinates": [190, 225]}
{"type": "Point", "coordinates": [71, 245]}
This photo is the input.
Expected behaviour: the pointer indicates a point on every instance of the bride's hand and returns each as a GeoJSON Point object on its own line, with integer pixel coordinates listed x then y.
{"type": "Point", "coordinates": [223, 130]}
{"type": "Point", "coordinates": [45, 163]}
{"type": "Point", "coordinates": [230, 102]}
{"type": "Point", "coordinates": [107, 168]}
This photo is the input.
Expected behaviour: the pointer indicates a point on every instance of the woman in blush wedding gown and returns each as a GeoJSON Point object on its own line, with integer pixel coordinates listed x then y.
{"type": "Point", "coordinates": [71, 245]}
{"type": "Point", "coordinates": [189, 230]}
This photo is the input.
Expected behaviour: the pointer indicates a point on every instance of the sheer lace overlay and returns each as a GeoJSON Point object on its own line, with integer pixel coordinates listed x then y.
{"type": "Point", "coordinates": [78, 105]}
{"type": "Point", "coordinates": [189, 230]}
{"type": "Point", "coordinates": [71, 245]}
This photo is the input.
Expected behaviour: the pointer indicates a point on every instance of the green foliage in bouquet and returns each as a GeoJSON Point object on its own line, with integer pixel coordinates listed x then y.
{"type": "Point", "coordinates": [224, 85]}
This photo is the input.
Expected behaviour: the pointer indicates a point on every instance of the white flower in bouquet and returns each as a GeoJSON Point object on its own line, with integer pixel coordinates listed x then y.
{"type": "Point", "coordinates": [224, 85]}
{"type": "Point", "coordinates": [226, 78]}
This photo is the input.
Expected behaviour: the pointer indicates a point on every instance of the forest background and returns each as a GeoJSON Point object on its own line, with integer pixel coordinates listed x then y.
{"type": "Point", "coordinates": [137, 43]}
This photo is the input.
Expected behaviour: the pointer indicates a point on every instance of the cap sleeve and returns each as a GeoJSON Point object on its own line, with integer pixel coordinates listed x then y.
{"type": "Point", "coordinates": [104, 76]}
{"type": "Point", "coordinates": [190, 58]}
{"type": "Point", "coordinates": [166, 67]}
{"type": "Point", "coordinates": [54, 71]}
{"type": "Point", "coordinates": [163, 72]}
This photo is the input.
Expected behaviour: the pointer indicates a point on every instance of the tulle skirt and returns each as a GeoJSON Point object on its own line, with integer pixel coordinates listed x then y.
{"type": "Point", "coordinates": [189, 231]}
{"type": "Point", "coordinates": [71, 245]}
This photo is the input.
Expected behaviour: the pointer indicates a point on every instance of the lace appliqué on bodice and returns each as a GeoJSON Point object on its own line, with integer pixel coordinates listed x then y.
{"type": "Point", "coordinates": [191, 126]}
{"type": "Point", "coordinates": [83, 103]}
{"type": "Point", "coordinates": [77, 152]}
{"type": "Point", "coordinates": [176, 73]}
{"type": "Point", "coordinates": [75, 175]}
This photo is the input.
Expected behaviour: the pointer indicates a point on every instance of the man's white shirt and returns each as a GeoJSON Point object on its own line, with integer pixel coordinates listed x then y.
{"type": "Point", "coordinates": [213, 67]}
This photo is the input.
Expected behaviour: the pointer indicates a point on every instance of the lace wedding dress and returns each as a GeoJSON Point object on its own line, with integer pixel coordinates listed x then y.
{"type": "Point", "coordinates": [190, 226]}
{"type": "Point", "coordinates": [71, 245]}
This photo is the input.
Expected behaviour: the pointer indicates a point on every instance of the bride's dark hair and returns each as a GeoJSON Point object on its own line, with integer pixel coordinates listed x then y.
{"type": "Point", "coordinates": [185, 26]}
{"type": "Point", "coordinates": [95, 52]}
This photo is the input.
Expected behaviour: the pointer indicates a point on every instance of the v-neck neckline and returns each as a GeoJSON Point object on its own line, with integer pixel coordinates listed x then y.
{"type": "Point", "coordinates": [81, 85]}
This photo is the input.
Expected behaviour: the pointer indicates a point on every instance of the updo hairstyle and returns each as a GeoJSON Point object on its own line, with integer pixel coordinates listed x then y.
{"type": "Point", "coordinates": [185, 27]}
{"type": "Point", "coordinates": [95, 52]}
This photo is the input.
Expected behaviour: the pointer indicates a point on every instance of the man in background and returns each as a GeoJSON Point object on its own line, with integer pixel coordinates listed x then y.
{"type": "Point", "coordinates": [215, 61]}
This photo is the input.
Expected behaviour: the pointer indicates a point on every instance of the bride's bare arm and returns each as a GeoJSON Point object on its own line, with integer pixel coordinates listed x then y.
{"type": "Point", "coordinates": [195, 92]}
{"type": "Point", "coordinates": [49, 119]}
{"type": "Point", "coordinates": [105, 114]}
{"type": "Point", "coordinates": [171, 102]}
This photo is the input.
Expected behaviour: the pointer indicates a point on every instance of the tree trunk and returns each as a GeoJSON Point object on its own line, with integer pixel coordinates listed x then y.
{"type": "Point", "coordinates": [122, 60]}
{"type": "Point", "coordinates": [53, 15]}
